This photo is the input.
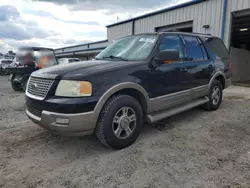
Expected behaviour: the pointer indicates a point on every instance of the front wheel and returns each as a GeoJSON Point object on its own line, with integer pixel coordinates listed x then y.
{"type": "Point", "coordinates": [215, 96]}
{"type": "Point", "coordinates": [120, 122]}
{"type": "Point", "coordinates": [24, 85]}
{"type": "Point", "coordinates": [16, 87]}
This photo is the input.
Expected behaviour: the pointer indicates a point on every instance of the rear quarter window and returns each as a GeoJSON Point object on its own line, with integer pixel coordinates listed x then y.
{"type": "Point", "coordinates": [218, 47]}
{"type": "Point", "coordinates": [6, 62]}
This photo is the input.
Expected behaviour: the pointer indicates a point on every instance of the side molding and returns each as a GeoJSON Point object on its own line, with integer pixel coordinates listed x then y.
{"type": "Point", "coordinates": [116, 88]}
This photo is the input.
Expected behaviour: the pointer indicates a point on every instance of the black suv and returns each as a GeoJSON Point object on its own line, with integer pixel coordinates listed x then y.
{"type": "Point", "coordinates": [146, 77]}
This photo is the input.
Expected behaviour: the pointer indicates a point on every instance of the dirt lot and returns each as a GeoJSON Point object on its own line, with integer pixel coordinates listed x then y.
{"type": "Point", "coordinates": [193, 149]}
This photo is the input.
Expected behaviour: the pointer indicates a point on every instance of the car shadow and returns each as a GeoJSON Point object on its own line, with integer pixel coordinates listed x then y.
{"type": "Point", "coordinates": [90, 145]}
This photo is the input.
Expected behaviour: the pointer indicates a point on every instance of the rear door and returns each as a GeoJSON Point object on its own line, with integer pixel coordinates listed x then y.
{"type": "Point", "coordinates": [198, 63]}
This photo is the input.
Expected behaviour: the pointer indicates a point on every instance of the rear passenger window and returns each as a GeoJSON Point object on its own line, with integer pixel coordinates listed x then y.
{"type": "Point", "coordinates": [194, 50]}
{"type": "Point", "coordinates": [217, 46]}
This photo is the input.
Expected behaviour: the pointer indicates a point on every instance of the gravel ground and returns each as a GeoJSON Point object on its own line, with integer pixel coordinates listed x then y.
{"type": "Point", "coordinates": [192, 149]}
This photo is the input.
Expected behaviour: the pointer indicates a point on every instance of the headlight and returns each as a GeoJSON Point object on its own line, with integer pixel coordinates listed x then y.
{"type": "Point", "coordinates": [68, 88]}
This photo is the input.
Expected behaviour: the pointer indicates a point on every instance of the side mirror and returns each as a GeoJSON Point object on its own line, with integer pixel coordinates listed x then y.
{"type": "Point", "coordinates": [167, 56]}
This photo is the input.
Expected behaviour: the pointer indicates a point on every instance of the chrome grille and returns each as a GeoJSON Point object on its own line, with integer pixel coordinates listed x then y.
{"type": "Point", "coordinates": [39, 87]}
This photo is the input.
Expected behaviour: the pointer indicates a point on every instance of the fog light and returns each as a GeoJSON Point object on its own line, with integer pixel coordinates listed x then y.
{"type": "Point", "coordinates": [62, 121]}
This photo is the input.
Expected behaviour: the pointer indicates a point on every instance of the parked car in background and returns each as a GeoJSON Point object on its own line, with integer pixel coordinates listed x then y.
{"type": "Point", "coordinates": [4, 63]}
{"type": "Point", "coordinates": [1, 70]}
{"type": "Point", "coordinates": [146, 77]}
{"type": "Point", "coordinates": [68, 60]}
{"type": "Point", "coordinates": [28, 60]}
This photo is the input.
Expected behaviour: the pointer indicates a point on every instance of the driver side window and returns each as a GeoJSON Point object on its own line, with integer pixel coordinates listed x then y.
{"type": "Point", "coordinates": [172, 42]}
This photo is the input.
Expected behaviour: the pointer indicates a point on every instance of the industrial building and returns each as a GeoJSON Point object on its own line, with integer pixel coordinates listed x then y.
{"type": "Point", "coordinates": [227, 19]}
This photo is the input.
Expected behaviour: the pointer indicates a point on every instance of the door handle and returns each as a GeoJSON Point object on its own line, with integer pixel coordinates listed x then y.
{"type": "Point", "coordinates": [210, 66]}
{"type": "Point", "coordinates": [183, 69]}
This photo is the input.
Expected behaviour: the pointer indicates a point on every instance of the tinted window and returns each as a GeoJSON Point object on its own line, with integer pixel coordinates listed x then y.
{"type": "Point", "coordinates": [217, 46]}
{"type": "Point", "coordinates": [73, 60]}
{"type": "Point", "coordinates": [193, 48]}
{"type": "Point", "coordinates": [172, 43]}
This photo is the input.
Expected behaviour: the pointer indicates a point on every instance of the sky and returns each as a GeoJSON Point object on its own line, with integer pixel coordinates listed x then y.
{"type": "Point", "coordinates": [60, 23]}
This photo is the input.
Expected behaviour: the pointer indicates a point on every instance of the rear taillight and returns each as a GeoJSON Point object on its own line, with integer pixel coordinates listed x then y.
{"type": "Point", "coordinates": [230, 66]}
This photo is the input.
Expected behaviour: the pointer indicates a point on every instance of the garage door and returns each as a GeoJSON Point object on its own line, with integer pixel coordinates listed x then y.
{"type": "Point", "coordinates": [183, 27]}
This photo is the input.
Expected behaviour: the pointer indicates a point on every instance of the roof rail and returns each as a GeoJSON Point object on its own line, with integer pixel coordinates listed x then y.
{"type": "Point", "coordinates": [176, 30]}
{"type": "Point", "coordinates": [202, 34]}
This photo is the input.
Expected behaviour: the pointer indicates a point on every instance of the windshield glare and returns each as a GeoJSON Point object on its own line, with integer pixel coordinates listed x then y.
{"type": "Point", "coordinates": [134, 48]}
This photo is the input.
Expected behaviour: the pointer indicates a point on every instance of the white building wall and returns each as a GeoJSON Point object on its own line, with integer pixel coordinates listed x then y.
{"type": "Point", "coordinates": [58, 50]}
{"type": "Point", "coordinates": [208, 12]}
{"type": "Point", "coordinates": [232, 6]}
{"type": "Point", "coordinates": [98, 45]}
{"type": "Point", "coordinates": [119, 31]}
{"type": "Point", "coordinates": [70, 49]}
{"type": "Point", "coordinates": [81, 47]}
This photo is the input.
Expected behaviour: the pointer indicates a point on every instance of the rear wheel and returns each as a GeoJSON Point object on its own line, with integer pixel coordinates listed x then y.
{"type": "Point", "coordinates": [16, 87]}
{"type": "Point", "coordinates": [215, 96]}
{"type": "Point", "coordinates": [120, 122]}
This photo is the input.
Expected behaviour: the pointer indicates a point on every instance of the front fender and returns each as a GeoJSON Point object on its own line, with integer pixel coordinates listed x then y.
{"type": "Point", "coordinates": [115, 89]}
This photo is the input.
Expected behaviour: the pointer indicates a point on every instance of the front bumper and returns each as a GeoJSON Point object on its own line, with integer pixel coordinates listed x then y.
{"type": "Point", "coordinates": [69, 124]}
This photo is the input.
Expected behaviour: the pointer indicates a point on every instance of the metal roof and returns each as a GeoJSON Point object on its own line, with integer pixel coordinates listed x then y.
{"type": "Point", "coordinates": [34, 48]}
{"type": "Point", "coordinates": [85, 44]}
{"type": "Point", "coordinates": [158, 12]}
{"type": "Point", "coordinates": [84, 50]}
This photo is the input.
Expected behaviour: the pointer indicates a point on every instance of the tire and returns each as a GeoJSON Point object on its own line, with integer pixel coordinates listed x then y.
{"type": "Point", "coordinates": [213, 104]}
{"type": "Point", "coordinates": [16, 87]}
{"type": "Point", "coordinates": [24, 85]}
{"type": "Point", "coordinates": [112, 122]}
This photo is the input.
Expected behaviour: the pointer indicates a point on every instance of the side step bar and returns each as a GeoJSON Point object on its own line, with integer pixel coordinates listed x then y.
{"type": "Point", "coordinates": [152, 118]}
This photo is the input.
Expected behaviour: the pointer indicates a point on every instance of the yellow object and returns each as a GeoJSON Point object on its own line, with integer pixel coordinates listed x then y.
{"type": "Point", "coordinates": [71, 88]}
{"type": "Point", "coordinates": [168, 62]}
{"type": "Point", "coordinates": [86, 88]}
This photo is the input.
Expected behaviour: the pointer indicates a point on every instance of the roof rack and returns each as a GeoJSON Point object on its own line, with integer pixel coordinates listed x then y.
{"type": "Point", "coordinates": [202, 34]}
{"type": "Point", "coordinates": [176, 30]}
{"type": "Point", "coordinates": [194, 33]}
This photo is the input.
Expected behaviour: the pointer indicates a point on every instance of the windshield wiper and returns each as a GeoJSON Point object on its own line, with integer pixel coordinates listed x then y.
{"type": "Point", "coordinates": [115, 57]}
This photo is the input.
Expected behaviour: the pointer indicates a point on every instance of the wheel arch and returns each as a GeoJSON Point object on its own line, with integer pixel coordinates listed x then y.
{"type": "Point", "coordinates": [129, 88]}
{"type": "Point", "coordinates": [220, 76]}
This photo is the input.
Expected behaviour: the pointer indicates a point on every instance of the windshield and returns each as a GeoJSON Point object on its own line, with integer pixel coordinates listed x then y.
{"type": "Point", "coordinates": [134, 48]}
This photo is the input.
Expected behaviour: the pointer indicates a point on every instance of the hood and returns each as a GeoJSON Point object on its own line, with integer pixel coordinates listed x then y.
{"type": "Point", "coordinates": [77, 69]}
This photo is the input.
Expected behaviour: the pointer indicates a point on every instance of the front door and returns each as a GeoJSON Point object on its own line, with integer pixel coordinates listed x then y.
{"type": "Point", "coordinates": [170, 83]}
